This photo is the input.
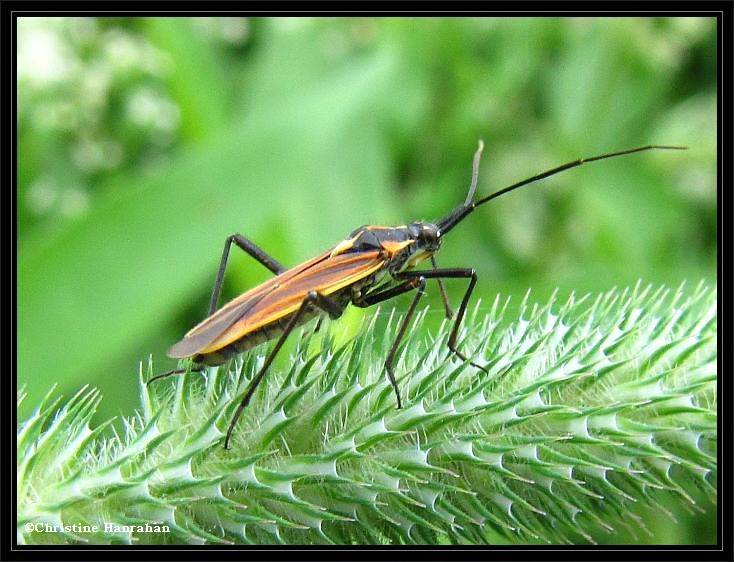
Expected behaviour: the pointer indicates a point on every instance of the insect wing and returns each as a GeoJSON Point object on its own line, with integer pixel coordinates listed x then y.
{"type": "Point", "coordinates": [326, 277]}
{"type": "Point", "coordinates": [208, 329]}
{"type": "Point", "coordinates": [275, 299]}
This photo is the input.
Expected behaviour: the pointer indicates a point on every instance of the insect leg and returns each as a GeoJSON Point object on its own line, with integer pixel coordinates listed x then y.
{"type": "Point", "coordinates": [254, 251]}
{"type": "Point", "coordinates": [375, 298]}
{"type": "Point", "coordinates": [419, 282]}
{"type": "Point", "coordinates": [454, 273]}
{"type": "Point", "coordinates": [313, 298]}
{"type": "Point", "coordinates": [442, 290]}
{"type": "Point", "coordinates": [380, 296]}
{"type": "Point", "coordinates": [194, 369]}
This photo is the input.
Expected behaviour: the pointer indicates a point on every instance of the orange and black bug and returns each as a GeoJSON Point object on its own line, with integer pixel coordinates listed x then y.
{"type": "Point", "coordinates": [374, 264]}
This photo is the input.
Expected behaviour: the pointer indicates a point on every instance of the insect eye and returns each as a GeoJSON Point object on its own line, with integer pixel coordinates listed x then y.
{"type": "Point", "coordinates": [428, 235]}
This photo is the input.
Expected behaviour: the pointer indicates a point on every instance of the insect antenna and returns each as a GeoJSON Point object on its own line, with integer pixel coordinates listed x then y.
{"type": "Point", "coordinates": [459, 213]}
{"type": "Point", "coordinates": [474, 173]}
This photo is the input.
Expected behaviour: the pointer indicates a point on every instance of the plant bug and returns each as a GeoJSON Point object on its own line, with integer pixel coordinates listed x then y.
{"type": "Point", "coordinates": [373, 264]}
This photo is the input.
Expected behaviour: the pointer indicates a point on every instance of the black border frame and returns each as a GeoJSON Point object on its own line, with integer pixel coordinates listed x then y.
{"type": "Point", "coordinates": [722, 10]}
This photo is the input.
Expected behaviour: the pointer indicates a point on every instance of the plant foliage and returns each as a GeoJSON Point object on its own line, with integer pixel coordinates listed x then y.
{"type": "Point", "coordinates": [590, 406]}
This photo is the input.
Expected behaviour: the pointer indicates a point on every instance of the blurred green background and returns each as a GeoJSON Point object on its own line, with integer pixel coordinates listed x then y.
{"type": "Point", "coordinates": [145, 142]}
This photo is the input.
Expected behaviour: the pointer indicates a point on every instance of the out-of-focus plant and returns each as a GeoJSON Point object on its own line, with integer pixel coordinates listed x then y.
{"type": "Point", "coordinates": [92, 100]}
